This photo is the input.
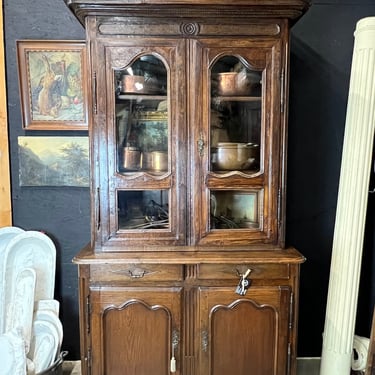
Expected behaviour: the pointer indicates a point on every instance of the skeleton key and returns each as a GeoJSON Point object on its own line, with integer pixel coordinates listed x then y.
{"type": "Point", "coordinates": [173, 360]}
{"type": "Point", "coordinates": [175, 340]}
{"type": "Point", "coordinates": [244, 283]}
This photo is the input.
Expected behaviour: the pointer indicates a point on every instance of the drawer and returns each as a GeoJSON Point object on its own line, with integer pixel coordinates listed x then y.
{"type": "Point", "coordinates": [135, 272]}
{"type": "Point", "coordinates": [233, 271]}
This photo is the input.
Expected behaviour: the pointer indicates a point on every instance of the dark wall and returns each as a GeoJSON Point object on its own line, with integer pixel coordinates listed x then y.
{"type": "Point", "coordinates": [63, 213]}
{"type": "Point", "coordinates": [321, 53]}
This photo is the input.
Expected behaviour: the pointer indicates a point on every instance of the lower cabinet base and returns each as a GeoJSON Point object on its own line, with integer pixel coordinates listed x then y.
{"type": "Point", "coordinates": [305, 366]}
{"type": "Point", "coordinates": [188, 318]}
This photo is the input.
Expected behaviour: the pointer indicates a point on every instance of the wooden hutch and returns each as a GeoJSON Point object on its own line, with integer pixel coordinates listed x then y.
{"type": "Point", "coordinates": [187, 271]}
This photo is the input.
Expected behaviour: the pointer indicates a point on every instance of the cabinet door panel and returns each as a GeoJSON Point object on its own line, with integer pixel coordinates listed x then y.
{"type": "Point", "coordinates": [138, 128]}
{"type": "Point", "coordinates": [235, 182]}
{"type": "Point", "coordinates": [134, 330]}
{"type": "Point", "coordinates": [244, 335]}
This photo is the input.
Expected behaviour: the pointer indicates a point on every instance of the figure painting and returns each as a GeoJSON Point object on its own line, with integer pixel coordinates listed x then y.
{"type": "Point", "coordinates": [53, 84]}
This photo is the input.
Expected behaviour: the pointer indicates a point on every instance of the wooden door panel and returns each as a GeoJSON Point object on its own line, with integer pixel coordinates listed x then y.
{"type": "Point", "coordinates": [133, 334]}
{"type": "Point", "coordinates": [252, 341]}
{"type": "Point", "coordinates": [136, 336]}
{"type": "Point", "coordinates": [244, 335]}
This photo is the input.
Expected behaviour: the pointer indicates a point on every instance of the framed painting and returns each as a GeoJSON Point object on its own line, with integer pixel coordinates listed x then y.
{"type": "Point", "coordinates": [53, 161]}
{"type": "Point", "coordinates": [53, 84]}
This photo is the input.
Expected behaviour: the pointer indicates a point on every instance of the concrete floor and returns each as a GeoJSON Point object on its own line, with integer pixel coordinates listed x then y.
{"type": "Point", "coordinates": [305, 366]}
{"type": "Point", "coordinates": [72, 368]}
{"type": "Point", "coordinates": [308, 366]}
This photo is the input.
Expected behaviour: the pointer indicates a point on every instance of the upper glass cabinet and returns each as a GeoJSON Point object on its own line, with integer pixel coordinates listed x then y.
{"type": "Point", "coordinates": [235, 121]}
{"type": "Point", "coordinates": [142, 116]}
{"type": "Point", "coordinates": [188, 150]}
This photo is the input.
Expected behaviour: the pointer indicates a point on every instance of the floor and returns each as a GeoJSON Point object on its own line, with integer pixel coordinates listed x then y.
{"type": "Point", "coordinates": [308, 366]}
{"type": "Point", "coordinates": [305, 366]}
{"type": "Point", "coordinates": [72, 368]}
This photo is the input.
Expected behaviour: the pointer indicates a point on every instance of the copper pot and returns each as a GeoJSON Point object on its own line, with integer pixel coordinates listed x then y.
{"type": "Point", "coordinates": [155, 160]}
{"type": "Point", "coordinates": [233, 83]}
{"type": "Point", "coordinates": [133, 84]}
{"type": "Point", "coordinates": [131, 158]}
{"type": "Point", "coordinates": [235, 156]}
{"type": "Point", "coordinates": [159, 160]}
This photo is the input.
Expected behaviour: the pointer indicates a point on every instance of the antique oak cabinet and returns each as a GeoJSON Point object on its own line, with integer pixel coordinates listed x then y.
{"type": "Point", "coordinates": [187, 271]}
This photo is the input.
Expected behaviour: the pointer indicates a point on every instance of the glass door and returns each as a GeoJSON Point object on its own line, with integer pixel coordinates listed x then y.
{"type": "Point", "coordinates": [144, 185]}
{"type": "Point", "coordinates": [240, 138]}
{"type": "Point", "coordinates": [142, 136]}
{"type": "Point", "coordinates": [235, 140]}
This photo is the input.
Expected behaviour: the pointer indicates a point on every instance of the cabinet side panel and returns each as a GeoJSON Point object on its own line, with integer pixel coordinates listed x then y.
{"type": "Point", "coordinates": [84, 325]}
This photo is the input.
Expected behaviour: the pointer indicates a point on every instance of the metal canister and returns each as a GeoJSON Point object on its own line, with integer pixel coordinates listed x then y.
{"type": "Point", "coordinates": [131, 158]}
{"type": "Point", "coordinates": [159, 161]}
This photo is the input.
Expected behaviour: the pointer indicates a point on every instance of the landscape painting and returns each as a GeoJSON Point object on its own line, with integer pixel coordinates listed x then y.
{"type": "Point", "coordinates": [54, 161]}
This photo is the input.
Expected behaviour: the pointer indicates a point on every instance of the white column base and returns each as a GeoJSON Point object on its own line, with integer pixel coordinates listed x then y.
{"type": "Point", "coordinates": [334, 363]}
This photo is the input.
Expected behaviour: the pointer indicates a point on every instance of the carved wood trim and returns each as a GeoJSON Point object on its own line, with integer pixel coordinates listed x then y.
{"type": "Point", "coordinates": [185, 28]}
{"type": "Point", "coordinates": [135, 301]}
{"type": "Point", "coordinates": [249, 9]}
{"type": "Point", "coordinates": [190, 325]}
{"type": "Point", "coordinates": [239, 301]}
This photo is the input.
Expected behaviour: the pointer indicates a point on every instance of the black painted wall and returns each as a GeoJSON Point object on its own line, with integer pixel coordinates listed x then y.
{"type": "Point", "coordinates": [63, 213]}
{"type": "Point", "coordinates": [321, 53]}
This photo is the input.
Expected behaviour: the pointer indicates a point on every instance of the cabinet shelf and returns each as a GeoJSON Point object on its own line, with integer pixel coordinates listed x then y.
{"type": "Point", "coordinates": [130, 172]}
{"type": "Point", "coordinates": [237, 99]}
{"type": "Point", "coordinates": [141, 97]}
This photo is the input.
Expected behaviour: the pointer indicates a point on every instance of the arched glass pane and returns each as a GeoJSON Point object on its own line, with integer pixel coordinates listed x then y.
{"type": "Point", "coordinates": [142, 116]}
{"type": "Point", "coordinates": [235, 118]}
{"type": "Point", "coordinates": [142, 141]}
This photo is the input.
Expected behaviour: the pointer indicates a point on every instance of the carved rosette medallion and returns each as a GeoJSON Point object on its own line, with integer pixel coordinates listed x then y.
{"type": "Point", "coordinates": [189, 28]}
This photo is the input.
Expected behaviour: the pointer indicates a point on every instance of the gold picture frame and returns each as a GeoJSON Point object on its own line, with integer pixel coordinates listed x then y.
{"type": "Point", "coordinates": [53, 84]}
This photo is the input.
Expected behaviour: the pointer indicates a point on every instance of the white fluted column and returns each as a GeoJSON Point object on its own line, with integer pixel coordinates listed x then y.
{"type": "Point", "coordinates": [351, 206]}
